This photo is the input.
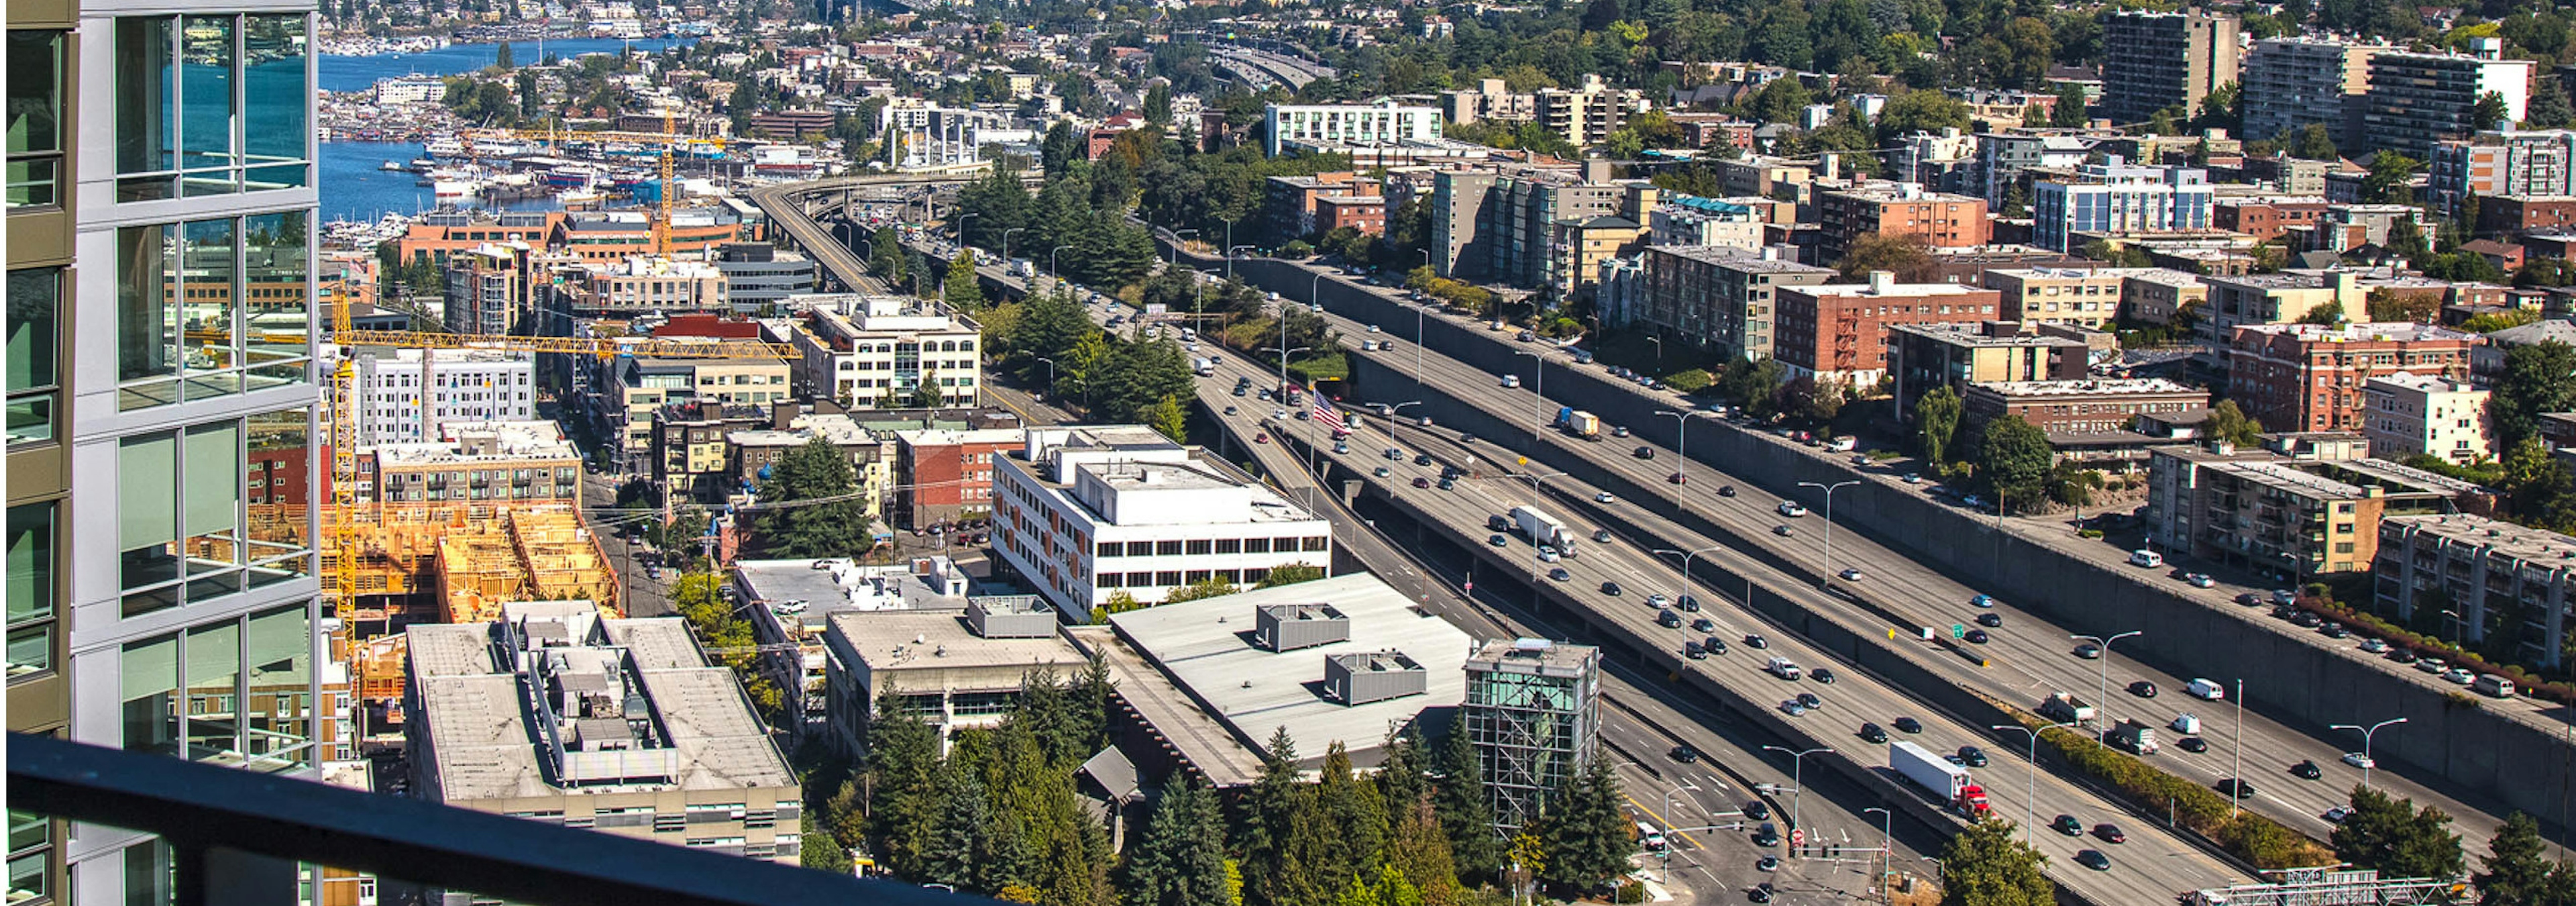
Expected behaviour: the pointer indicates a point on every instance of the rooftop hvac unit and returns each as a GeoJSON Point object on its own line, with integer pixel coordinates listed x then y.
{"type": "Point", "coordinates": [1373, 676]}
{"type": "Point", "coordinates": [1289, 627]}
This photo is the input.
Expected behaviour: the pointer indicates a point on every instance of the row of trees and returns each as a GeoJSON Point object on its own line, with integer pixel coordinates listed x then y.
{"type": "Point", "coordinates": [1050, 341]}
{"type": "Point", "coordinates": [1068, 227]}
{"type": "Point", "coordinates": [1000, 815]}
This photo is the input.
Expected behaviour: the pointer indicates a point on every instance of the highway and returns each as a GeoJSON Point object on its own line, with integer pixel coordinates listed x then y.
{"type": "Point", "coordinates": [2031, 657]}
{"type": "Point", "coordinates": [2150, 865]}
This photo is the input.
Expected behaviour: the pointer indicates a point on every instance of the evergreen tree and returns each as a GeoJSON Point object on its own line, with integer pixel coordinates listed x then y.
{"type": "Point", "coordinates": [1268, 815]}
{"type": "Point", "coordinates": [1354, 819]}
{"type": "Point", "coordinates": [1466, 815]}
{"type": "Point", "coordinates": [963, 290]}
{"type": "Point", "coordinates": [2536, 380]}
{"type": "Point", "coordinates": [961, 836]}
{"type": "Point", "coordinates": [2393, 836]}
{"type": "Point", "coordinates": [886, 255]}
{"type": "Point", "coordinates": [1168, 418]}
{"type": "Point", "coordinates": [2014, 456]}
{"type": "Point", "coordinates": [2548, 108]}
{"type": "Point", "coordinates": [1586, 833]}
{"type": "Point", "coordinates": [1986, 866]}
{"type": "Point", "coordinates": [903, 756]}
{"type": "Point", "coordinates": [2516, 872]}
{"type": "Point", "coordinates": [1180, 859]}
{"type": "Point", "coordinates": [815, 471]}
{"type": "Point", "coordinates": [505, 58]}
{"type": "Point", "coordinates": [1418, 848]}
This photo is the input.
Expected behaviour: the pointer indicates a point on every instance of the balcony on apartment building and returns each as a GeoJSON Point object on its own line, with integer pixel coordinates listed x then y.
{"type": "Point", "coordinates": [235, 834]}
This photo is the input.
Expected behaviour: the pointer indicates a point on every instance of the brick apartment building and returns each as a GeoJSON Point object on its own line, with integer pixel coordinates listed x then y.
{"type": "Point", "coordinates": [1899, 209]}
{"type": "Point", "coordinates": [2525, 213]}
{"type": "Point", "coordinates": [2306, 377]}
{"type": "Point", "coordinates": [2265, 219]}
{"type": "Point", "coordinates": [1839, 331]}
{"type": "Point", "coordinates": [943, 474]}
{"type": "Point", "coordinates": [2081, 406]}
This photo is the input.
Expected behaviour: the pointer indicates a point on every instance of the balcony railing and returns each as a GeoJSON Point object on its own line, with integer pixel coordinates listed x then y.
{"type": "Point", "coordinates": [217, 820]}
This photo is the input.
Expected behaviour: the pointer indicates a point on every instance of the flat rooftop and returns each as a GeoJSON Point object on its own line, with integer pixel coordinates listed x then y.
{"type": "Point", "coordinates": [486, 746]}
{"type": "Point", "coordinates": [1206, 648]}
{"type": "Point", "coordinates": [1747, 260]}
{"type": "Point", "coordinates": [2094, 387]}
{"type": "Point", "coordinates": [1975, 335]}
{"type": "Point", "coordinates": [1536, 656]}
{"type": "Point", "coordinates": [894, 640]}
{"type": "Point", "coordinates": [2285, 476]}
{"type": "Point", "coordinates": [2545, 548]}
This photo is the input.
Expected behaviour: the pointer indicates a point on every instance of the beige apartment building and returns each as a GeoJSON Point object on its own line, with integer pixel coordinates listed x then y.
{"type": "Point", "coordinates": [2061, 295]}
{"type": "Point", "coordinates": [2405, 414]}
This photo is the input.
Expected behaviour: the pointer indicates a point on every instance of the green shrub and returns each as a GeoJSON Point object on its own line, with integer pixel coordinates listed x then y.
{"type": "Point", "coordinates": [1692, 381]}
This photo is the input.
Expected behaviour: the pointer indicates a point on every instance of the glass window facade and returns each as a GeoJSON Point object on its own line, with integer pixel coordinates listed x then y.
{"type": "Point", "coordinates": [34, 365]}
{"type": "Point", "coordinates": [211, 308]}
{"type": "Point", "coordinates": [185, 532]}
{"type": "Point", "coordinates": [211, 105]}
{"type": "Point", "coordinates": [236, 691]}
{"type": "Point", "coordinates": [35, 143]}
{"type": "Point", "coordinates": [31, 588]}
{"type": "Point", "coordinates": [31, 844]}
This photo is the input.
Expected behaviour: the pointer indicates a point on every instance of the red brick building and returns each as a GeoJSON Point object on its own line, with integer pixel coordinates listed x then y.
{"type": "Point", "coordinates": [2525, 213]}
{"type": "Point", "coordinates": [1365, 213]}
{"type": "Point", "coordinates": [1899, 209]}
{"type": "Point", "coordinates": [943, 474]}
{"type": "Point", "coordinates": [2266, 218]}
{"type": "Point", "coordinates": [2307, 377]}
{"type": "Point", "coordinates": [1838, 331]}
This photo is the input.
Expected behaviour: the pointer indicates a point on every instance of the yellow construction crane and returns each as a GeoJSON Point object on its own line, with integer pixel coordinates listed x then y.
{"type": "Point", "coordinates": [343, 529]}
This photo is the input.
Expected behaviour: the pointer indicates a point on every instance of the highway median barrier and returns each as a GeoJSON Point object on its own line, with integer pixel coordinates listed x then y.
{"type": "Point", "coordinates": [2261, 841]}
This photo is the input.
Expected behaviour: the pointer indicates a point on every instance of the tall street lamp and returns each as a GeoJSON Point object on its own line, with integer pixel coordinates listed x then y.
{"type": "Point", "coordinates": [1006, 243]}
{"type": "Point", "coordinates": [1886, 842]}
{"type": "Point", "coordinates": [1686, 573]}
{"type": "Point", "coordinates": [1538, 388]}
{"type": "Point", "coordinates": [2033, 794]}
{"type": "Point", "coordinates": [2102, 694]}
{"type": "Point", "coordinates": [1051, 266]}
{"type": "Point", "coordinates": [961, 224]}
{"type": "Point", "coordinates": [2366, 734]}
{"type": "Point", "coordinates": [1284, 352]}
{"type": "Point", "coordinates": [1797, 775]}
{"type": "Point", "coordinates": [1681, 452]}
{"type": "Point", "coordinates": [1829, 490]}
{"type": "Point", "coordinates": [1174, 259]}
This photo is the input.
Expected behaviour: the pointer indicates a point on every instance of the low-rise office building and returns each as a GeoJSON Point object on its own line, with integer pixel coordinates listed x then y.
{"type": "Point", "coordinates": [1924, 356]}
{"type": "Point", "coordinates": [881, 352]}
{"type": "Point", "coordinates": [2406, 414]}
{"type": "Point", "coordinates": [791, 603]}
{"type": "Point", "coordinates": [2078, 407]}
{"type": "Point", "coordinates": [953, 669]}
{"type": "Point", "coordinates": [1088, 514]}
{"type": "Point", "coordinates": [2501, 578]}
{"type": "Point", "coordinates": [556, 715]}
{"type": "Point", "coordinates": [942, 474]}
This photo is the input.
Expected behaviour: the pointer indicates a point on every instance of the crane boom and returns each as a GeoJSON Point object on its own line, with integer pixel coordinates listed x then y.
{"type": "Point", "coordinates": [646, 347]}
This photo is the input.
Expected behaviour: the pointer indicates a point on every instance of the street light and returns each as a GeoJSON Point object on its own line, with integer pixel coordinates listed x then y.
{"type": "Point", "coordinates": [1659, 349]}
{"type": "Point", "coordinates": [1667, 814]}
{"type": "Point", "coordinates": [2455, 621]}
{"type": "Point", "coordinates": [2033, 794]}
{"type": "Point", "coordinates": [1006, 243]}
{"type": "Point", "coordinates": [961, 224]}
{"type": "Point", "coordinates": [1050, 363]}
{"type": "Point", "coordinates": [2366, 734]}
{"type": "Point", "coordinates": [1886, 842]}
{"type": "Point", "coordinates": [2102, 695]}
{"type": "Point", "coordinates": [1051, 268]}
{"type": "Point", "coordinates": [1686, 573]}
{"type": "Point", "coordinates": [1538, 387]}
{"type": "Point", "coordinates": [1797, 775]}
{"type": "Point", "coordinates": [1174, 259]}
{"type": "Point", "coordinates": [1230, 249]}
{"type": "Point", "coordinates": [1418, 312]}
{"type": "Point", "coordinates": [1681, 458]}
{"type": "Point", "coordinates": [1829, 490]}
{"type": "Point", "coordinates": [1284, 352]}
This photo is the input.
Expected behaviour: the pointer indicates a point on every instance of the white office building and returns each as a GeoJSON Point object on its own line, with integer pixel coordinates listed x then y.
{"type": "Point", "coordinates": [866, 350]}
{"type": "Point", "coordinates": [1384, 122]}
{"type": "Point", "coordinates": [1086, 513]}
{"type": "Point", "coordinates": [466, 386]}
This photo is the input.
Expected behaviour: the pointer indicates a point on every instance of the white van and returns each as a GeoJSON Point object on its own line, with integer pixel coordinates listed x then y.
{"type": "Point", "coordinates": [1648, 838]}
{"type": "Point", "coordinates": [2206, 688]}
{"type": "Point", "coordinates": [2148, 559]}
{"type": "Point", "coordinates": [2188, 724]}
{"type": "Point", "coordinates": [2491, 684]}
{"type": "Point", "coordinates": [1844, 444]}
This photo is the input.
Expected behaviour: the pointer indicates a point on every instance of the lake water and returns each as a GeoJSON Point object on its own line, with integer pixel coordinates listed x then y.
{"type": "Point", "coordinates": [353, 185]}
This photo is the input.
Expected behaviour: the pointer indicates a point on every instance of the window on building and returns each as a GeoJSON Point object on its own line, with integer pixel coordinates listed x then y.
{"type": "Point", "coordinates": [151, 875]}
{"type": "Point", "coordinates": [31, 844]}
{"type": "Point", "coordinates": [182, 333]}
{"type": "Point", "coordinates": [31, 588]}
{"type": "Point", "coordinates": [34, 153]}
{"type": "Point", "coordinates": [1256, 545]}
{"type": "Point", "coordinates": [210, 105]}
{"type": "Point", "coordinates": [1167, 548]}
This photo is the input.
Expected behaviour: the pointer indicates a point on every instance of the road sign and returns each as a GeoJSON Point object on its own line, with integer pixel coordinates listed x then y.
{"type": "Point", "coordinates": [1958, 631]}
{"type": "Point", "coordinates": [1798, 837]}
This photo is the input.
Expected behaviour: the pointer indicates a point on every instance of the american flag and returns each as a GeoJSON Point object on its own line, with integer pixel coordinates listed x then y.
{"type": "Point", "coordinates": [1325, 412]}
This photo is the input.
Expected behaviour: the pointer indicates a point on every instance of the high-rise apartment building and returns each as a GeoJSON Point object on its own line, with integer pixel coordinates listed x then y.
{"type": "Point", "coordinates": [1532, 715]}
{"type": "Point", "coordinates": [1587, 113]}
{"type": "Point", "coordinates": [2157, 61]}
{"type": "Point", "coordinates": [2115, 196]}
{"type": "Point", "coordinates": [2419, 99]}
{"type": "Point", "coordinates": [161, 595]}
{"type": "Point", "coordinates": [2292, 83]}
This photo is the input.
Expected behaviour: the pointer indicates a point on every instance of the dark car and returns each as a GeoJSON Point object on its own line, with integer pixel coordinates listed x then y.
{"type": "Point", "coordinates": [1704, 624]}
{"type": "Point", "coordinates": [2066, 824]}
{"type": "Point", "coordinates": [2093, 859]}
{"type": "Point", "coordinates": [1909, 725]}
{"type": "Point", "coordinates": [1758, 894]}
{"type": "Point", "coordinates": [1726, 490]}
{"type": "Point", "coordinates": [2142, 689]}
{"type": "Point", "coordinates": [1693, 651]}
{"type": "Point", "coordinates": [1559, 574]}
{"type": "Point", "coordinates": [1676, 478]}
{"type": "Point", "coordinates": [1610, 588]}
{"type": "Point", "coordinates": [1498, 524]}
{"type": "Point", "coordinates": [1645, 452]}
{"type": "Point", "coordinates": [1766, 835]}
{"type": "Point", "coordinates": [1990, 619]}
{"type": "Point", "coordinates": [1601, 537]}
{"type": "Point", "coordinates": [2192, 744]}
{"type": "Point", "coordinates": [1668, 619]}
{"type": "Point", "coordinates": [1713, 645]}
{"type": "Point", "coordinates": [1688, 603]}
{"type": "Point", "coordinates": [1756, 642]}
{"type": "Point", "coordinates": [1871, 733]}
{"type": "Point", "coordinates": [1783, 531]}
{"type": "Point", "coordinates": [1756, 810]}
{"type": "Point", "coordinates": [1422, 482]}
{"type": "Point", "coordinates": [1823, 675]}
{"type": "Point", "coordinates": [1810, 701]}
{"type": "Point", "coordinates": [1448, 483]}
{"type": "Point", "coordinates": [1977, 636]}
{"type": "Point", "coordinates": [2238, 788]}
{"type": "Point", "coordinates": [1685, 754]}
{"type": "Point", "coordinates": [1422, 459]}
{"type": "Point", "coordinates": [1972, 756]}
{"type": "Point", "coordinates": [2109, 833]}
{"type": "Point", "coordinates": [2306, 770]}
